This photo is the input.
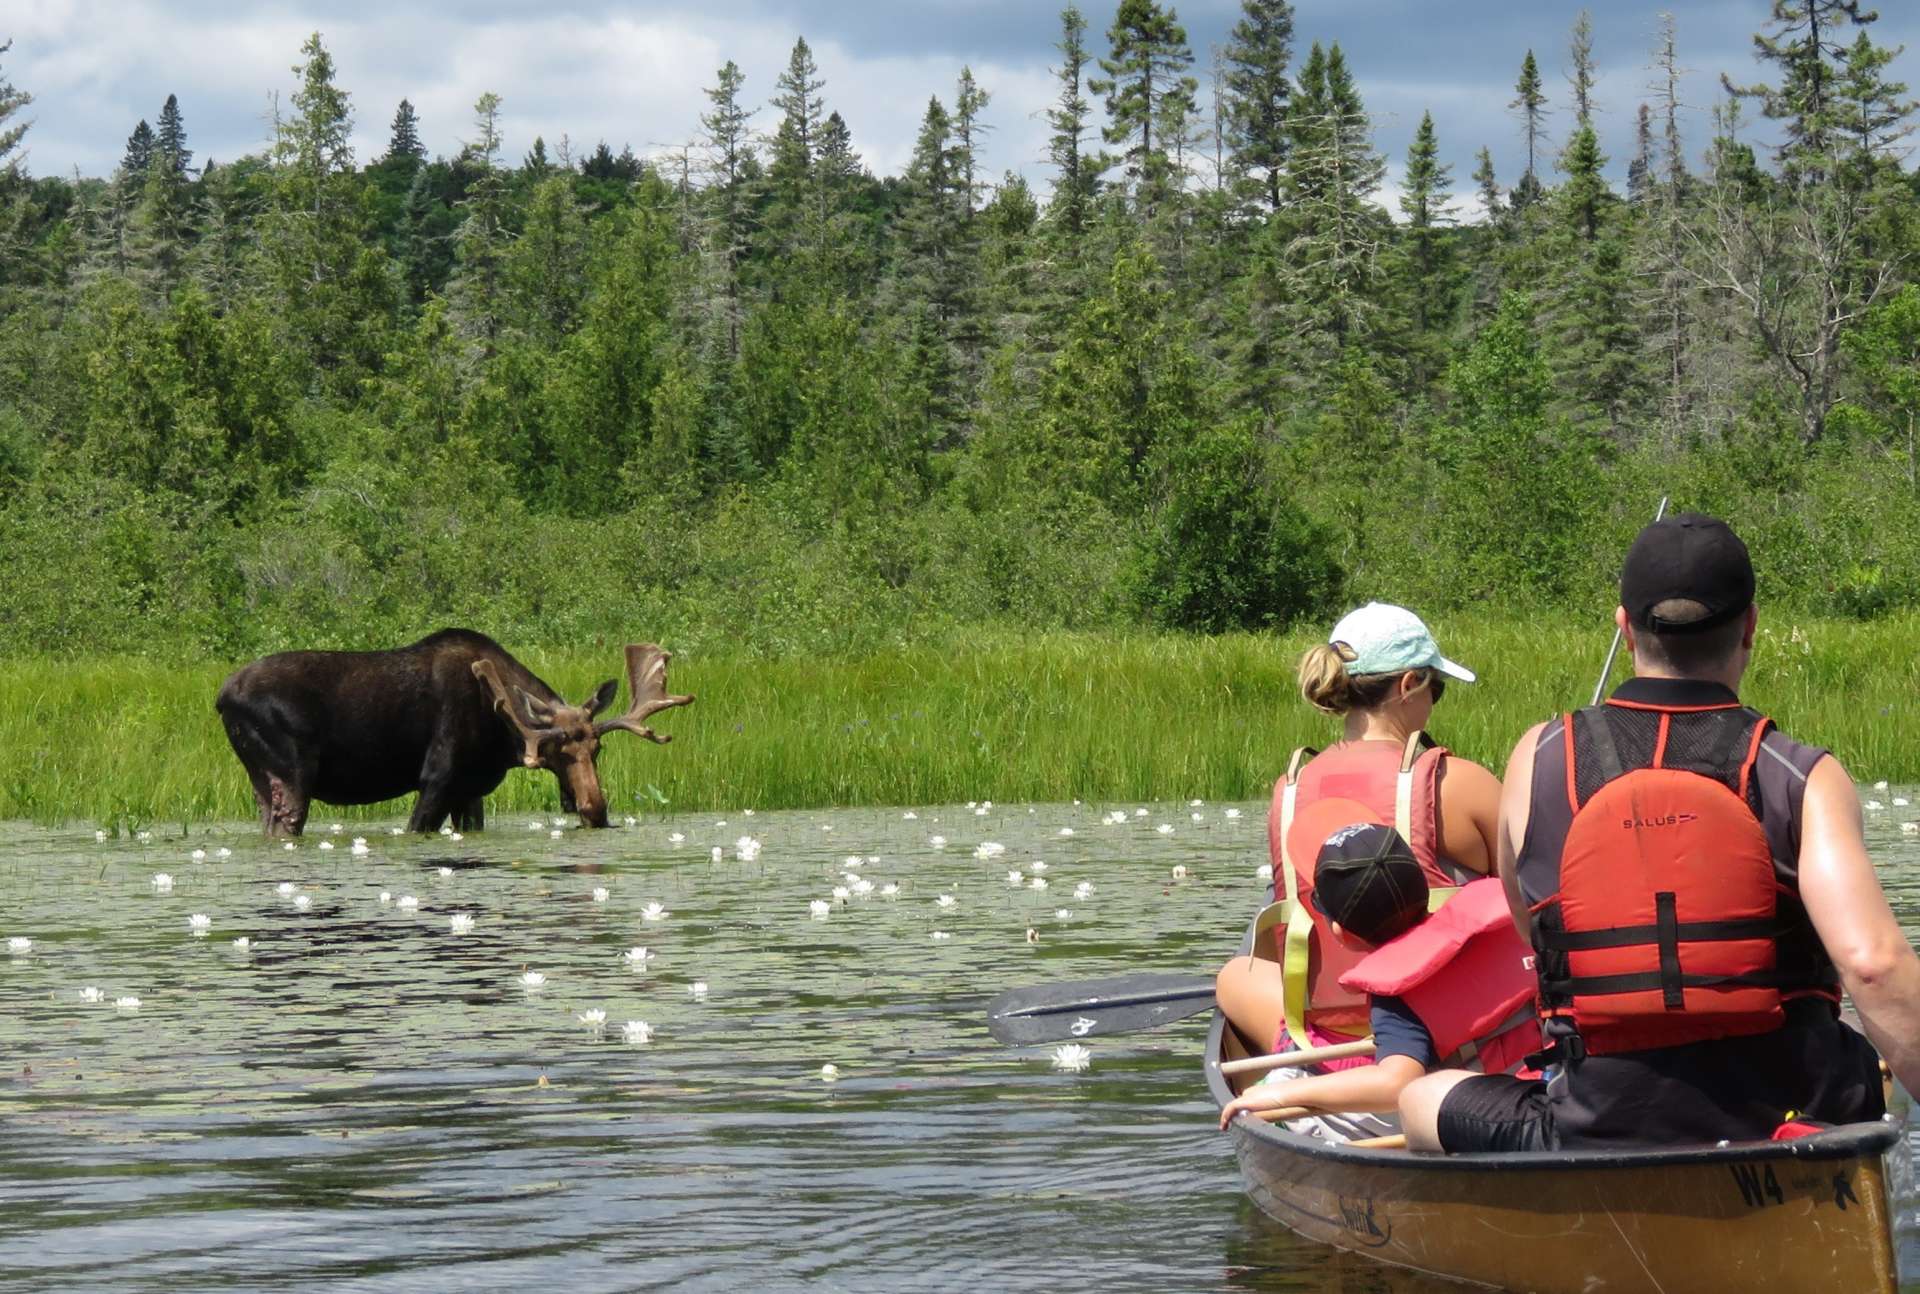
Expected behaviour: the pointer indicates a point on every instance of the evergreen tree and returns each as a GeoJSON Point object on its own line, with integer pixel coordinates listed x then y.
{"type": "Point", "coordinates": [1530, 102]}
{"type": "Point", "coordinates": [138, 157]}
{"type": "Point", "coordinates": [1147, 90]}
{"type": "Point", "coordinates": [969, 101]}
{"type": "Point", "coordinates": [1580, 74]}
{"type": "Point", "coordinates": [1487, 185]}
{"type": "Point", "coordinates": [404, 142]}
{"type": "Point", "coordinates": [536, 166]}
{"type": "Point", "coordinates": [1873, 115]}
{"type": "Point", "coordinates": [480, 244]}
{"type": "Point", "coordinates": [801, 107]}
{"type": "Point", "coordinates": [544, 271]}
{"type": "Point", "coordinates": [11, 132]}
{"type": "Point", "coordinates": [1258, 92]}
{"type": "Point", "coordinates": [726, 134]}
{"type": "Point", "coordinates": [1640, 175]}
{"type": "Point", "coordinates": [1078, 172]}
{"type": "Point", "coordinates": [1806, 48]}
{"type": "Point", "coordinates": [170, 141]}
{"type": "Point", "coordinates": [1424, 200]}
{"type": "Point", "coordinates": [932, 275]}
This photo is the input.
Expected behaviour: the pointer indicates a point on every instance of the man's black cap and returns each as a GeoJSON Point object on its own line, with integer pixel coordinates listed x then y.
{"type": "Point", "coordinates": [1366, 878]}
{"type": "Point", "coordinates": [1693, 568]}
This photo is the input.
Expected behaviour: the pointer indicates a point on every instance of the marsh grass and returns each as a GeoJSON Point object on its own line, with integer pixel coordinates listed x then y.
{"type": "Point", "coordinates": [126, 742]}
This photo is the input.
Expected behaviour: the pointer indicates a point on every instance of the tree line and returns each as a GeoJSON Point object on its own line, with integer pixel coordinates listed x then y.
{"type": "Point", "coordinates": [755, 393]}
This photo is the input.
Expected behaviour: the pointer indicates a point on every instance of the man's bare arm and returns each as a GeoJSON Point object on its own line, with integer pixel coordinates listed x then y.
{"type": "Point", "coordinates": [1516, 796]}
{"type": "Point", "coordinates": [1843, 897]}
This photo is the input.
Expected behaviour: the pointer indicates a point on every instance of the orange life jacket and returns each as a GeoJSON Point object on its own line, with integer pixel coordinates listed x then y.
{"type": "Point", "coordinates": [1467, 973]}
{"type": "Point", "coordinates": [1364, 781]}
{"type": "Point", "coordinates": [1662, 914]}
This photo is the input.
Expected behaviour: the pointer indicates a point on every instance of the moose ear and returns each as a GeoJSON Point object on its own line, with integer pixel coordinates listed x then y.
{"type": "Point", "coordinates": [601, 699]}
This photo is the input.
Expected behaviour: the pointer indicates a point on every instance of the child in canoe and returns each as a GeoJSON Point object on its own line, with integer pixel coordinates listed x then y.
{"type": "Point", "coordinates": [1452, 989]}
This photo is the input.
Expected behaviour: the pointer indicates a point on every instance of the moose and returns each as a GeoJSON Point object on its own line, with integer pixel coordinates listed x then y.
{"type": "Point", "coordinates": [448, 717]}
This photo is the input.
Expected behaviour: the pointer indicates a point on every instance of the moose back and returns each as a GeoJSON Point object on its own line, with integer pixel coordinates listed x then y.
{"type": "Point", "coordinates": [447, 717]}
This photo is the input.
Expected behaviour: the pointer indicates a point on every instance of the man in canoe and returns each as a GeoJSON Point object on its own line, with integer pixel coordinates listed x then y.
{"type": "Point", "coordinates": [1698, 893]}
{"type": "Point", "coordinates": [1452, 987]}
{"type": "Point", "coordinates": [1381, 673]}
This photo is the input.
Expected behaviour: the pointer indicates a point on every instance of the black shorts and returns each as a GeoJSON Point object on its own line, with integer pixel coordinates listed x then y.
{"type": "Point", "coordinates": [1490, 1112]}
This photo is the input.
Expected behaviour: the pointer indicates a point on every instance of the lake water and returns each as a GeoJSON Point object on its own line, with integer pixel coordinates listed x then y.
{"type": "Point", "coordinates": [366, 1100]}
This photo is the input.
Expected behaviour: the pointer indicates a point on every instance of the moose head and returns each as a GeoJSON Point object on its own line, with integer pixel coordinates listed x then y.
{"type": "Point", "coordinates": [565, 739]}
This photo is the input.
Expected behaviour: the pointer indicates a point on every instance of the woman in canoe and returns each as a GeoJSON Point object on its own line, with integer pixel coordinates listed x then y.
{"type": "Point", "coordinates": [1381, 673]}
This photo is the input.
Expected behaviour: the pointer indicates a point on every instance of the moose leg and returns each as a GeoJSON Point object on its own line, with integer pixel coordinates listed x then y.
{"type": "Point", "coordinates": [470, 816]}
{"type": "Point", "coordinates": [430, 810]}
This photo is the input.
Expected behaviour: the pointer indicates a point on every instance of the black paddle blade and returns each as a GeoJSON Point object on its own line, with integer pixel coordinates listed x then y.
{"type": "Point", "coordinates": [1093, 1007]}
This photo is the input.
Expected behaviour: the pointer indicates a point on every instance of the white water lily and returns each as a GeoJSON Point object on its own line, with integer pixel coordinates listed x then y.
{"type": "Point", "coordinates": [143, 837]}
{"type": "Point", "coordinates": [242, 944]}
{"type": "Point", "coordinates": [1139, 813]}
{"type": "Point", "coordinates": [1880, 786]}
{"type": "Point", "coordinates": [326, 844]}
{"type": "Point", "coordinates": [532, 979]}
{"type": "Point", "coordinates": [445, 872]}
{"type": "Point", "coordinates": [909, 816]}
{"type": "Point", "coordinates": [395, 831]}
{"type": "Point", "coordinates": [460, 923]}
{"type": "Point", "coordinates": [1179, 872]}
{"type": "Point", "coordinates": [747, 848]}
{"type": "Point", "coordinates": [557, 822]}
{"type": "Point", "coordinates": [861, 888]}
{"type": "Point", "coordinates": [19, 945]}
{"type": "Point", "coordinates": [536, 826]}
{"type": "Point", "coordinates": [1264, 872]}
{"type": "Point", "coordinates": [1874, 806]}
{"type": "Point", "coordinates": [1194, 804]}
{"type": "Point", "coordinates": [697, 990]}
{"type": "Point", "coordinates": [1910, 828]}
{"type": "Point", "coordinates": [1197, 817]}
{"type": "Point", "coordinates": [594, 1018]}
{"type": "Point", "coordinates": [302, 902]}
{"type": "Point", "coordinates": [1165, 828]}
{"type": "Point", "coordinates": [1232, 813]}
{"type": "Point", "coordinates": [629, 821]}
{"type": "Point", "coordinates": [555, 834]}
{"type": "Point", "coordinates": [1015, 878]}
{"type": "Point", "coordinates": [829, 1072]}
{"type": "Point", "coordinates": [386, 896]}
{"type": "Point", "coordinates": [199, 924]}
{"type": "Point", "coordinates": [941, 934]}
{"type": "Point", "coordinates": [127, 1003]}
{"type": "Point", "coordinates": [92, 994]}
{"type": "Point", "coordinates": [1072, 1057]}
{"type": "Point", "coordinates": [336, 829]}
{"type": "Point", "coordinates": [1063, 914]}
{"type": "Point", "coordinates": [1083, 889]}
{"type": "Point", "coordinates": [841, 894]}
{"type": "Point", "coordinates": [636, 1031]}
{"type": "Point", "coordinates": [289, 846]}
{"type": "Point", "coordinates": [99, 837]}
{"type": "Point", "coordinates": [198, 855]}
{"type": "Point", "coordinates": [819, 908]}
{"type": "Point", "coordinates": [989, 849]}
{"type": "Point", "coordinates": [716, 853]}
{"type": "Point", "coordinates": [638, 957]}
{"type": "Point", "coordinates": [937, 842]}
{"type": "Point", "coordinates": [979, 813]}
{"type": "Point", "coordinates": [286, 888]}
{"type": "Point", "coordinates": [359, 849]}
{"type": "Point", "coordinates": [1038, 883]}
{"type": "Point", "coordinates": [946, 900]}
{"type": "Point", "coordinates": [1066, 831]}
{"type": "Point", "coordinates": [1901, 801]}
{"type": "Point", "coordinates": [889, 890]}
{"type": "Point", "coordinates": [162, 882]}
{"type": "Point", "coordinates": [406, 903]}
{"type": "Point", "coordinates": [1036, 866]}
{"type": "Point", "coordinates": [601, 894]}
{"type": "Point", "coordinates": [676, 839]}
{"type": "Point", "coordinates": [455, 836]}
{"type": "Point", "coordinates": [223, 852]}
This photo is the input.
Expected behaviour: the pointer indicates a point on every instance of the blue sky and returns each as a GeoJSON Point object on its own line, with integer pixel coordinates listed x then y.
{"type": "Point", "coordinates": [632, 72]}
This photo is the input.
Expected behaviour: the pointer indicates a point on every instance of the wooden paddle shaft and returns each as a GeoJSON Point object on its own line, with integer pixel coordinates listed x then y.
{"type": "Point", "coordinates": [1309, 1056]}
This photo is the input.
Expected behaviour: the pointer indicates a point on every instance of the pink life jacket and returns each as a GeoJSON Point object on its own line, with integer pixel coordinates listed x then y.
{"type": "Point", "coordinates": [1468, 975]}
{"type": "Point", "coordinates": [1365, 781]}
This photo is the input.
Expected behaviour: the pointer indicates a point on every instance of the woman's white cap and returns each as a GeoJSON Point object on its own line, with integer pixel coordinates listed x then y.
{"type": "Point", "coordinates": [1386, 639]}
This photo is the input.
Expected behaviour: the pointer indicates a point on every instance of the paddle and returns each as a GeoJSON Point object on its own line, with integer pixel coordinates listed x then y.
{"type": "Point", "coordinates": [1600, 688]}
{"type": "Point", "coordinates": [1306, 1056]}
{"type": "Point", "coordinates": [1088, 1008]}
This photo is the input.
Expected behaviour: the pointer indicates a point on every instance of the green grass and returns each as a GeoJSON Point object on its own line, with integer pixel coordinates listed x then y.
{"type": "Point", "coordinates": [1054, 717]}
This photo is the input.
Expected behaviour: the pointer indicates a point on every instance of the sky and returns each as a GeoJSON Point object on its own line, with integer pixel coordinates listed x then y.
{"type": "Point", "coordinates": [632, 72]}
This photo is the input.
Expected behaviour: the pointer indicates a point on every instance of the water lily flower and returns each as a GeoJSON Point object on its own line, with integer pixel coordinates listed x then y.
{"type": "Point", "coordinates": [989, 849]}
{"type": "Point", "coordinates": [601, 894]}
{"type": "Point", "coordinates": [558, 822]}
{"type": "Point", "coordinates": [1901, 801]}
{"type": "Point", "coordinates": [1063, 914]}
{"type": "Point", "coordinates": [636, 1031]}
{"type": "Point", "coordinates": [386, 896]}
{"type": "Point", "coordinates": [946, 900]}
{"type": "Point", "coordinates": [1233, 813]}
{"type": "Point", "coordinates": [127, 1003]}
{"type": "Point", "coordinates": [359, 849]}
{"type": "Point", "coordinates": [594, 1018]}
{"type": "Point", "coordinates": [1874, 806]}
{"type": "Point", "coordinates": [289, 846]}
{"type": "Point", "coordinates": [1036, 866]}
{"type": "Point", "coordinates": [99, 837]}
{"type": "Point", "coordinates": [1264, 872]}
{"type": "Point", "coordinates": [555, 834]}
{"type": "Point", "coordinates": [676, 838]}
{"type": "Point", "coordinates": [285, 888]}
{"type": "Point", "coordinates": [862, 888]}
{"type": "Point", "coordinates": [938, 842]}
{"type": "Point", "coordinates": [941, 934]}
{"type": "Point", "coordinates": [326, 844]}
{"type": "Point", "coordinates": [91, 994]}
{"type": "Point", "coordinates": [697, 990]}
{"type": "Point", "coordinates": [829, 1072]}
{"type": "Point", "coordinates": [162, 882]}
{"type": "Point", "coordinates": [1165, 828]}
{"type": "Point", "coordinates": [406, 903]}
{"type": "Point", "coordinates": [302, 901]}
{"type": "Point", "coordinates": [198, 855]}
{"type": "Point", "coordinates": [455, 836]}
{"type": "Point", "coordinates": [395, 831]}
{"type": "Point", "coordinates": [19, 945]}
{"type": "Point", "coordinates": [979, 813]}
{"type": "Point", "coordinates": [1139, 813]}
{"type": "Point", "coordinates": [747, 848]}
{"type": "Point", "coordinates": [242, 944]}
{"type": "Point", "coordinates": [1197, 817]}
{"type": "Point", "coordinates": [336, 828]}
{"type": "Point", "coordinates": [198, 924]}
{"type": "Point", "coordinates": [654, 912]}
{"type": "Point", "coordinates": [144, 836]}
{"type": "Point", "coordinates": [841, 894]}
{"type": "Point", "coordinates": [1015, 878]}
{"type": "Point", "coordinates": [532, 979]}
{"type": "Point", "coordinates": [1880, 786]}
{"type": "Point", "coordinates": [536, 826]}
{"type": "Point", "coordinates": [1038, 883]}
{"type": "Point", "coordinates": [888, 890]}
{"type": "Point", "coordinates": [445, 872]}
{"type": "Point", "coordinates": [1072, 1057]}
{"type": "Point", "coordinates": [819, 908]}
{"type": "Point", "coordinates": [908, 816]}
{"type": "Point", "coordinates": [715, 853]}
{"type": "Point", "coordinates": [629, 821]}
{"type": "Point", "coordinates": [1083, 889]}
{"type": "Point", "coordinates": [1179, 872]}
{"type": "Point", "coordinates": [223, 852]}
{"type": "Point", "coordinates": [460, 923]}
{"type": "Point", "coordinates": [1066, 831]}
{"type": "Point", "coordinates": [638, 957]}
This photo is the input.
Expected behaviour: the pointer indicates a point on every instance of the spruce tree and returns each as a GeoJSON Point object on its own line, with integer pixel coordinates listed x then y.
{"type": "Point", "coordinates": [138, 157]}
{"type": "Point", "coordinates": [1530, 102]}
{"type": "Point", "coordinates": [1580, 74]}
{"type": "Point", "coordinates": [1808, 49]}
{"type": "Point", "coordinates": [969, 101]}
{"type": "Point", "coordinates": [1077, 171]}
{"type": "Point", "coordinates": [170, 140]}
{"type": "Point", "coordinates": [1258, 93]}
{"type": "Point", "coordinates": [726, 134]}
{"type": "Point", "coordinates": [801, 107]}
{"type": "Point", "coordinates": [11, 132]}
{"type": "Point", "coordinates": [480, 243]}
{"type": "Point", "coordinates": [1640, 170]}
{"type": "Point", "coordinates": [1147, 89]}
{"type": "Point", "coordinates": [1487, 185]}
{"type": "Point", "coordinates": [1425, 201]}
{"type": "Point", "coordinates": [404, 143]}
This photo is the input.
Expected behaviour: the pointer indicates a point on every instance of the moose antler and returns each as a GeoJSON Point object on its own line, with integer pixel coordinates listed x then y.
{"type": "Point", "coordinates": [516, 712]}
{"type": "Point", "coordinates": [647, 686]}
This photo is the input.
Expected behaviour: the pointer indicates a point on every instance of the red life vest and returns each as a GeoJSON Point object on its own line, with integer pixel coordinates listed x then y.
{"type": "Point", "coordinates": [1365, 781]}
{"type": "Point", "coordinates": [1467, 973]}
{"type": "Point", "coordinates": [1663, 908]}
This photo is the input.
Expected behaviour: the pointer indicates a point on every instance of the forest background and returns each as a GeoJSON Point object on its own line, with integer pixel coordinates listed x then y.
{"type": "Point", "coordinates": [750, 399]}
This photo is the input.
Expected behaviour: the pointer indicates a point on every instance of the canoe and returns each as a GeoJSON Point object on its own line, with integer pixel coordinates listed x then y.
{"type": "Point", "coordinates": [1810, 1214]}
